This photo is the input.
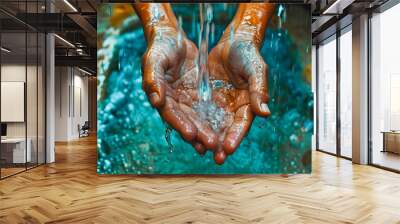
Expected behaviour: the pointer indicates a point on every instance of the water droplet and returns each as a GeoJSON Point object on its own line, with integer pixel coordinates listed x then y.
{"type": "Point", "coordinates": [281, 15]}
{"type": "Point", "coordinates": [155, 15]}
{"type": "Point", "coordinates": [231, 34]}
{"type": "Point", "coordinates": [212, 32]}
{"type": "Point", "coordinates": [180, 32]}
{"type": "Point", "coordinates": [168, 131]}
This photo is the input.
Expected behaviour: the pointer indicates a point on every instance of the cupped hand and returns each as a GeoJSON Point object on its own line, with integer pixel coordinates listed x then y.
{"type": "Point", "coordinates": [170, 81]}
{"type": "Point", "coordinates": [239, 77]}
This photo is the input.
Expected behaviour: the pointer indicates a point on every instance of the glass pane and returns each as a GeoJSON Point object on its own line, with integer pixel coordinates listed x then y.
{"type": "Point", "coordinates": [32, 86]}
{"type": "Point", "coordinates": [327, 97]}
{"type": "Point", "coordinates": [32, 95]}
{"type": "Point", "coordinates": [314, 89]}
{"type": "Point", "coordinates": [22, 84]}
{"type": "Point", "coordinates": [346, 94]}
{"type": "Point", "coordinates": [13, 86]}
{"type": "Point", "coordinates": [41, 99]}
{"type": "Point", "coordinates": [386, 89]}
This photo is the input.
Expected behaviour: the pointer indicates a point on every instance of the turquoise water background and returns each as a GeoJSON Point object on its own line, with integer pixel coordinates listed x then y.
{"type": "Point", "coordinates": [132, 136]}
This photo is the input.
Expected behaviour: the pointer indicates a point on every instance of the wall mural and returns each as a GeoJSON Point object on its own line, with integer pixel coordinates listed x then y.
{"type": "Point", "coordinates": [208, 88]}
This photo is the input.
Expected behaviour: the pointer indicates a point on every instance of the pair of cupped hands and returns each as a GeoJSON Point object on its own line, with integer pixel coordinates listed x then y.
{"type": "Point", "coordinates": [170, 80]}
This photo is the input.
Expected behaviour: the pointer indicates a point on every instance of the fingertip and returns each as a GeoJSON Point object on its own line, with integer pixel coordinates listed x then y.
{"type": "Point", "coordinates": [189, 132]}
{"type": "Point", "coordinates": [156, 100]}
{"type": "Point", "coordinates": [206, 135]}
{"type": "Point", "coordinates": [259, 105]}
{"type": "Point", "coordinates": [238, 130]}
{"type": "Point", "coordinates": [230, 145]}
{"type": "Point", "coordinates": [264, 110]}
{"type": "Point", "coordinates": [200, 148]}
{"type": "Point", "coordinates": [219, 157]}
{"type": "Point", "coordinates": [211, 142]}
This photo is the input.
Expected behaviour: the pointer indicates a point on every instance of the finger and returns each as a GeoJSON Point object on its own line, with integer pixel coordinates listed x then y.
{"type": "Point", "coordinates": [219, 156]}
{"type": "Point", "coordinates": [205, 135]}
{"type": "Point", "coordinates": [154, 66]}
{"type": "Point", "coordinates": [240, 126]}
{"type": "Point", "coordinates": [257, 74]}
{"type": "Point", "coordinates": [258, 105]}
{"type": "Point", "coordinates": [199, 148]}
{"type": "Point", "coordinates": [171, 113]}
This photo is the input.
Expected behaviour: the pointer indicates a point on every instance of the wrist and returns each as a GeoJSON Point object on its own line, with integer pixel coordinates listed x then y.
{"type": "Point", "coordinates": [242, 33]}
{"type": "Point", "coordinates": [156, 18]}
{"type": "Point", "coordinates": [249, 33]}
{"type": "Point", "coordinates": [250, 22]}
{"type": "Point", "coordinates": [159, 30]}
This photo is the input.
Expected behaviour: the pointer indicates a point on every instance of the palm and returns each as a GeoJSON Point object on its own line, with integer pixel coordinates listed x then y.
{"type": "Point", "coordinates": [173, 72]}
{"type": "Point", "coordinates": [232, 94]}
{"type": "Point", "coordinates": [244, 89]}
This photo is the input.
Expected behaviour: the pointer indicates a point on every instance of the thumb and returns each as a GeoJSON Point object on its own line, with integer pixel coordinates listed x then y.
{"type": "Point", "coordinates": [258, 87]}
{"type": "Point", "coordinates": [153, 79]}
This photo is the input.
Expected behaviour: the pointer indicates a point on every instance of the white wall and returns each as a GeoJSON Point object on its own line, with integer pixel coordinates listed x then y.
{"type": "Point", "coordinates": [13, 73]}
{"type": "Point", "coordinates": [9, 73]}
{"type": "Point", "coordinates": [62, 82]}
{"type": "Point", "coordinates": [71, 102]}
{"type": "Point", "coordinates": [33, 127]}
{"type": "Point", "coordinates": [81, 103]}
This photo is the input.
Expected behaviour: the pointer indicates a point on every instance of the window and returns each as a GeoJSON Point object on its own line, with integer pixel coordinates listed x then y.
{"type": "Point", "coordinates": [385, 89]}
{"type": "Point", "coordinates": [327, 96]}
{"type": "Point", "coordinates": [22, 77]}
{"type": "Point", "coordinates": [346, 93]}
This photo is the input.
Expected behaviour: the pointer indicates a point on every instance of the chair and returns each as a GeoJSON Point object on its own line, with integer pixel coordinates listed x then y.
{"type": "Point", "coordinates": [84, 130]}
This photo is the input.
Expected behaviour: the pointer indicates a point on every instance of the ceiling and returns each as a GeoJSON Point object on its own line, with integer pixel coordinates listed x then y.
{"type": "Point", "coordinates": [75, 22]}
{"type": "Point", "coordinates": [329, 16]}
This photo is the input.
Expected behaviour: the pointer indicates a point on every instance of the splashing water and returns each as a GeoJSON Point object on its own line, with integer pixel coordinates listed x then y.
{"type": "Point", "coordinates": [168, 132]}
{"type": "Point", "coordinates": [211, 113]}
{"type": "Point", "coordinates": [155, 15]}
{"type": "Point", "coordinates": [212, 33]}
{"type": "Point", "coordinates": [207, 110]}
{"type": "Point", "coordinates": [281, 15]}
{"type": "Point", "coordinates": [180, 32]}
{"type": "Point", "coordinates": [231, 34]}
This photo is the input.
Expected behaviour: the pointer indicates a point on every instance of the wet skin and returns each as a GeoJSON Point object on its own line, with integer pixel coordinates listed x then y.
{"type": "Point", "coordinates": [170, 80]}
{"type": "Point", "coordinates": [247, 96]}
{"type": "Point", "coordinates": [170, 75]}
{"type": "Point", "coordinates": [236, 60]}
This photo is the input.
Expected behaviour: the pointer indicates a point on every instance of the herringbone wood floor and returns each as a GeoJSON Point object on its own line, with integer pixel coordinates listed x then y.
{"type": "Point", "coordinates": [70, 191]}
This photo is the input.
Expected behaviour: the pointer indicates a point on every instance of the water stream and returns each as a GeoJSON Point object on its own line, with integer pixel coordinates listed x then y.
{"type": "Point", "coordinates": [205, 15]}
{"type": "Point", "coordinates": [207, 110]}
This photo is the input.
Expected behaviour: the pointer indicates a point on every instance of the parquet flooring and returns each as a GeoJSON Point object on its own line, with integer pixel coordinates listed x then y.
{"type": "Point", "coordinates": [70, 191]}
{"type": "Point", "coordinates": [10, 171]}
